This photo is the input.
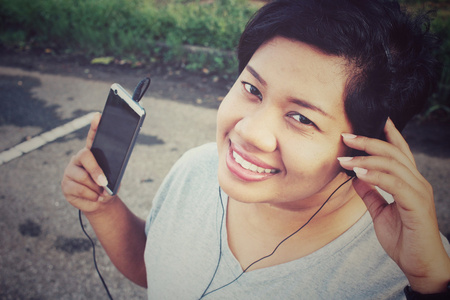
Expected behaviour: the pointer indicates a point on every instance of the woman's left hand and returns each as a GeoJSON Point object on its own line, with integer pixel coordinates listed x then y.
{"type": "Point", "coordinates": [407, 228]}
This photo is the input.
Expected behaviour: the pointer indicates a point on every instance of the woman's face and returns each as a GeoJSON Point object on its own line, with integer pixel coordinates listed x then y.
{"type": "Point", "coordinates": [278, 128]}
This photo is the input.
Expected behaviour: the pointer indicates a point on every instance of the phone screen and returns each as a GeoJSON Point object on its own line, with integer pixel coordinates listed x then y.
{"type": "Point", "coordinates": [115, 137]}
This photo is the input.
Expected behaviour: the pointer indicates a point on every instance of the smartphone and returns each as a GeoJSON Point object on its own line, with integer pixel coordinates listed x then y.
{"type": "Point", "coordinates": [116, 135]}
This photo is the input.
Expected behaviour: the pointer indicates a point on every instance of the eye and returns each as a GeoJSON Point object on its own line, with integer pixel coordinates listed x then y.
{"type": "Point", "coordinates": [252, 89]}
{"type": "Point", "coordinates": [301, 119]}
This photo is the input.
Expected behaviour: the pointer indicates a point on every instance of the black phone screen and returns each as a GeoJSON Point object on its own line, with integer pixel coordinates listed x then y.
{"type": "Point", "coordinates": [113, 142]}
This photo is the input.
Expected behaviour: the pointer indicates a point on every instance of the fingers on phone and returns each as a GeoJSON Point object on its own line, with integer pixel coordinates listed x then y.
{"type": "Point", "coordinates": [87, 163]}
{"type": "Point", "coordinates": [76, 190]}
{"type": "Point", "coordinates": [78, 183]}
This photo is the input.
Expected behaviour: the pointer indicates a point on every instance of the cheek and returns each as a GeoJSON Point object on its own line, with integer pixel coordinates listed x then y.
{"type": "Point", "coordinates": [223, 120]}
{"type": "Point", "coordinates": [312, 158]}
{"type": "Point", "coordinates": [227, 114]}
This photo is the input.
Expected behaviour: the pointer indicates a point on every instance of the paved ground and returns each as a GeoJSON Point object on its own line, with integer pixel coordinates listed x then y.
{"type": "Point", "coordinates": [43, 253]}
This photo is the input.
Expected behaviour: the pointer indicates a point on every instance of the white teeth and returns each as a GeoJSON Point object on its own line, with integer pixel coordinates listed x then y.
{"type": "Point", "coordinates": [249, 166]}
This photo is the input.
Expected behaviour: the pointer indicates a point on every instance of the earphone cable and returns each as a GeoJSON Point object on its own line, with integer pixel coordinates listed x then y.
{"type": "Point", "coordinates": [93, 254]}
{"type": "Point", "coordinates": [220, 246]}
{"type": "Point", "coordinates": [205, 293]}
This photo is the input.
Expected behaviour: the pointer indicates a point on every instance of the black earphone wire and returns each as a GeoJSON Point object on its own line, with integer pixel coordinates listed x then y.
{"type": "Point", "coordinates": [220, 247]}
{"type": "Point", "coordinates": [93, 254]}
{"type": "Point", "coordinates": [205, 293]}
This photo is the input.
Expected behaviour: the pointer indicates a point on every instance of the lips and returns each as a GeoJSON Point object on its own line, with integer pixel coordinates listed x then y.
{"type": "Point", "coordinates": [248, 168]}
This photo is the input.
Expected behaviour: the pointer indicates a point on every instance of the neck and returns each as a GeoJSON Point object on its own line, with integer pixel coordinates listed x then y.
{"type": "Point", "coordinates": [261, 226]}
{"type": "Point", "coordinates": [279, 218]}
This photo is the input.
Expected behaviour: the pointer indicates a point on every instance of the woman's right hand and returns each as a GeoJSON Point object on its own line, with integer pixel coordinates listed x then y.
{"type": "Point", "coordinates": [83, 179]}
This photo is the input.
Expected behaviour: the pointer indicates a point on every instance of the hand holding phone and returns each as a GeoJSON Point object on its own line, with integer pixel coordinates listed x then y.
{"type": "Point", "coordinates": [116, 135]}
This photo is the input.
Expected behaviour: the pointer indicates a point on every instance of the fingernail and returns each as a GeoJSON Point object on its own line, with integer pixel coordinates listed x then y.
{"type": "Point", "coordinates": [101, 199]}
{"type": "Point", "coordinates": [348, 136]}
{"type": "Point", "coordinates": [344, 158]}
{"type": "Point", "coordinates": [389, 122]}
{"type": "Point", "coordinates": [360, 171]}
{"type": "Point", "coordinates": [102, 181]}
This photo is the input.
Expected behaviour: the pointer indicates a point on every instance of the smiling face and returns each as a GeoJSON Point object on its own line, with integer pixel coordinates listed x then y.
{"type": "Point", "coordinates": [278, 128]}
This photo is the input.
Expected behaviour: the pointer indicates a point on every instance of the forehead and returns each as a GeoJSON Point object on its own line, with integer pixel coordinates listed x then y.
{"type": "Point", "coordinates": [298, 70]}
{"type": "Point", "coordinates": [291, 55]}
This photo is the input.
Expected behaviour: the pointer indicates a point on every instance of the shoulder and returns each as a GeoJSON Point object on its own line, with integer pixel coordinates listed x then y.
{"type": "Point", "coordinates": [195, 164]}
{"type": "Point", "coordinates": [205, 155]}
{"type": "Point", "coordinates": [193, 175]}
{"type": "Point", "coordinates": [196, 167]}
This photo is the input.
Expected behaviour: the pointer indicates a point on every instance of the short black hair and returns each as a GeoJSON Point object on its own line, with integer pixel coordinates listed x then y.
{"type": "Point", "coordinates": [391, 53]}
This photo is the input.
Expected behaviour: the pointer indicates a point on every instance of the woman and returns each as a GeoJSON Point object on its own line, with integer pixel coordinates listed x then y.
{"type": "Point", "coordinates": [272, 210]}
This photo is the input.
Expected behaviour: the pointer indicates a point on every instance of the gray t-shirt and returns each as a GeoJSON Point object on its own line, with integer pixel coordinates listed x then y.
{"type": "Point", "coordinates": [186, 234]}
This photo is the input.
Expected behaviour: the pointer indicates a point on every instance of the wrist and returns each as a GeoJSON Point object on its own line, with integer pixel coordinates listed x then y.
{"type": "Point", "coordinates": [437, 278]}
{"type": "Point", "coordinates": [429, 286]}
{"type": "Point", "coordinates": [413, 295]}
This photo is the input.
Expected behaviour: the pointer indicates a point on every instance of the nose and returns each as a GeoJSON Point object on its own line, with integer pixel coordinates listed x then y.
{"type": "Point", "coordinates": [258, 129]}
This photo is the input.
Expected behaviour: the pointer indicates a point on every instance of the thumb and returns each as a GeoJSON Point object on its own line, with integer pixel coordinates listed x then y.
{"type": "Point", "coordinates": [93, 130]}
{"type": "Point", "coordinates": [105, 197]}
{"type": "Point", "coordinates": [373, 200]}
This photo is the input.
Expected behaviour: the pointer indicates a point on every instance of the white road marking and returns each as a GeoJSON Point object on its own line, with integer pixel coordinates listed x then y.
{"type": "Point", "coordinates": [45, 138]}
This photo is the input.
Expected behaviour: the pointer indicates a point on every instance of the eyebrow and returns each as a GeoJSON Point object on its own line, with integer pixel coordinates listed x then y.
{"type": "Point", "coordinates": [256, 75]}
{"type": "Point", "coordinates": [308, 105]}
{"type": "Point", "coordinates": [299, 102]}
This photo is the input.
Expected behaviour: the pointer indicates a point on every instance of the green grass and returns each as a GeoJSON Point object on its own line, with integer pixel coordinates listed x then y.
{"type": "Point", "coordinates": [134, 30]}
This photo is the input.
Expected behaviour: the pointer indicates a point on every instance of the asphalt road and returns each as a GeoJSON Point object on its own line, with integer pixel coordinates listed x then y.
{"type": "Point", "coordinates": [43, 252]}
